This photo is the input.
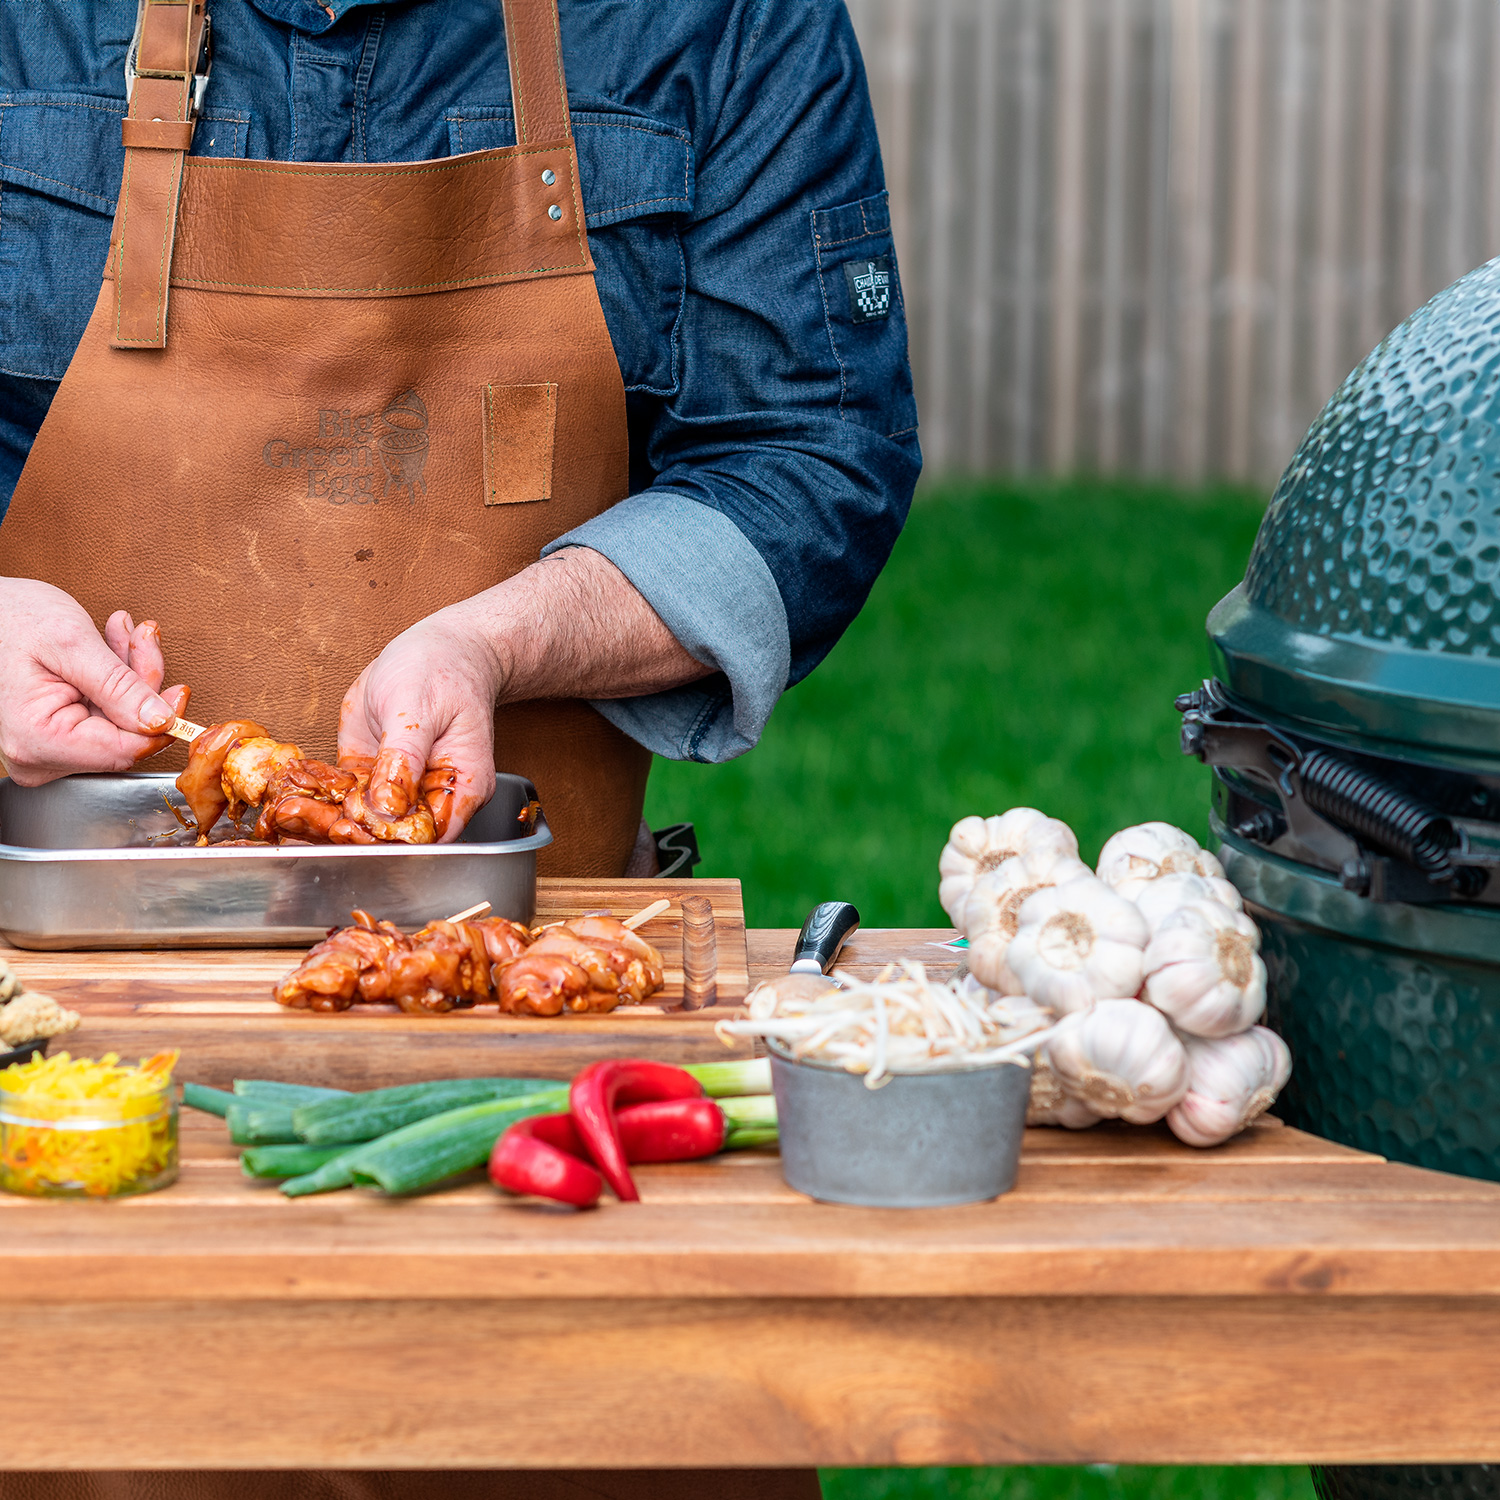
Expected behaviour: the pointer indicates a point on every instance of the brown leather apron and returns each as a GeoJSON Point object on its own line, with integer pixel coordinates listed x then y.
{"type": "Point", "coordinates": [316, 402]}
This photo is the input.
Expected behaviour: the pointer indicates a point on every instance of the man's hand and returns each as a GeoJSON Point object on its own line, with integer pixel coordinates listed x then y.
{"type": "Point", "coordinates": [69, 700]}
{"type": "Point", "coordinates": [570, 626]}
{"type": "Point", "coordinates": [427, 699]}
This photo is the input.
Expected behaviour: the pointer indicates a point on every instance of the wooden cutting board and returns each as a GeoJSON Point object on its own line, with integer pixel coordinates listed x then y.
{"type": "Point", "coordinates": [215, 1004]}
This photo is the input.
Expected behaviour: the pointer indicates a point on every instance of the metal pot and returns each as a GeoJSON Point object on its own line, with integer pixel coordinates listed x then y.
{"type": "Point", "coordinates": [921, 1140]}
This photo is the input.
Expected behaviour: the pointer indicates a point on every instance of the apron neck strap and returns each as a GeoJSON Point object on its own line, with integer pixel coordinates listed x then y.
{"type": "Point", "coordinates": [166, 68]}
{"type": "Point", "coordinates": [538, 89]}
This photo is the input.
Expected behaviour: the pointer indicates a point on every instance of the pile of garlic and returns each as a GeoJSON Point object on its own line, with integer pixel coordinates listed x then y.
{"type": "Point", "coordinates": [1149, 962]}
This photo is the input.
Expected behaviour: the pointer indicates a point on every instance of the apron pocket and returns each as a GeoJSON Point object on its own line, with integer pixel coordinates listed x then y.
{"type": "Point", "coordinates": [518, 427]}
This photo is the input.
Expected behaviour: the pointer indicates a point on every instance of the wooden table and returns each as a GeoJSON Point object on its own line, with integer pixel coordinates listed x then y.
{"type": "Point", "coordinates": [1280, 1299]}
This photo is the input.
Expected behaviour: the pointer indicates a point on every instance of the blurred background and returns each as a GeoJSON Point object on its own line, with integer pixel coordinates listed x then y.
{"type": "Point", "coordinates": [1141, 242]}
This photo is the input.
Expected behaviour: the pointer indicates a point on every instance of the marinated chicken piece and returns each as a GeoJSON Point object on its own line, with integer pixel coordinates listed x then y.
{"type": "Point", "coordinates": [291, 799]}
{"type": "Point", "coordinates": [443, 967]}
{"type": "Point", "coordinates": [416, 826]}
{"type": "Point", "coordinates": [628, 955]}
{"type": "Point", "coordinates": [343, 968]}
{"type": "Point", "coordinates": [591, 964]}
{"type": "Point", "coordinates": [248, 768]}
{"type": "Point", "coordinates": [544, 984]}
{"type": "Point", "coordinates": [202, 783]}
{"type": "Point", "coordinates": [503, 939]}
{"type": "Point", "coordinates": [237, 765]}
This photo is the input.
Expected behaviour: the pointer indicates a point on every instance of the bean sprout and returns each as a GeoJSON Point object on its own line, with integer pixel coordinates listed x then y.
{"type": "Point", "coordinates": [889, 1025]}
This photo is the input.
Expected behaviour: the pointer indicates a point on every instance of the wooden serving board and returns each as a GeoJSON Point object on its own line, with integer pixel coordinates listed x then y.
{"type": "Point", "coordinates": [137, 1002]}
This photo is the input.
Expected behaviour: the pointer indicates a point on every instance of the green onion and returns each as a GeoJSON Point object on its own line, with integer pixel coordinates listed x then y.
{"type": "Point", "coordinates": [270, 1091]}
{"type": "Point", "coordinates": [292, 1160]}
{"type": "Point", "coordinates": [757, 1110]}
{"type": "Point", "coordinates": [254, 1124]}
{"type": "Point", "coordinates": [366, 1117]}
{"type": "Point", "coordinates": [751, 1122]}
{"type": "Point", "coordinates": [210, 1101]}
{"type": "Point", "coordinates": [721, 1079]}
{"type": "Point", "coordinates": [334, 1173]}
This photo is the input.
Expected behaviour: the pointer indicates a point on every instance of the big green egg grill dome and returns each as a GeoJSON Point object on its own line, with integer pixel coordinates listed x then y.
{"type": "Point", "coordinates": [1353, 724]}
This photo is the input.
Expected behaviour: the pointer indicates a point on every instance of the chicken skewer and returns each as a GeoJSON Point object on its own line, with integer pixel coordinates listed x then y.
{"type": "Point", "coordinates": [589, 964]}
{"type": "Point", "coordinates": [236, 765]}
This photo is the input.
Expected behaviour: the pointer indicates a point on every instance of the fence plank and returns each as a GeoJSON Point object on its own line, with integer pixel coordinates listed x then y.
{"type": "Point", "coordinates": [1152, 235]}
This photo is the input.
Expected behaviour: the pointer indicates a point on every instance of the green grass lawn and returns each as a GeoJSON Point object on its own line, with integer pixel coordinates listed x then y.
{"type": "Point", "coordinates": [1023, 647]}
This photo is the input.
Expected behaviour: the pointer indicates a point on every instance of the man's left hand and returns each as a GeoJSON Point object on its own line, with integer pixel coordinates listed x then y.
{"type": "Point", "coordinates": [570, 626]}
{"type": "Point", "coordinates": [427, 700]}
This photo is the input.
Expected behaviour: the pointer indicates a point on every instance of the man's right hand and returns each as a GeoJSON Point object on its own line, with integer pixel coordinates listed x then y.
{"type": "Point", "coordinates": [71, 700]}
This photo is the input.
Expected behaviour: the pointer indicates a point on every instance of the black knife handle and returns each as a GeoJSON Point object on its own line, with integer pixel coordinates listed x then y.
{"type": "Point", "coordinates": [828, 927]}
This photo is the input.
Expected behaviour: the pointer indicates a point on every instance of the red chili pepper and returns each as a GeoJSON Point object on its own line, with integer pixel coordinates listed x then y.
{"type": "Point", "coordinates": [671, 1130]}
{"type": "Point", "coordinates": [544, 1156]}
{"type": "Point", "coordinates": [600, 1087]}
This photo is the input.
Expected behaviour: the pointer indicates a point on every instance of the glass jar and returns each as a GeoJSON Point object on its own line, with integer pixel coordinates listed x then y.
{"type": "Point", "coordinates": [87, 1148]}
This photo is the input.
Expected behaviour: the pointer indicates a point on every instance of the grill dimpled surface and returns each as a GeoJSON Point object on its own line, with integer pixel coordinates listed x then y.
{"type": "Point", "coordinates": [1386, 525]}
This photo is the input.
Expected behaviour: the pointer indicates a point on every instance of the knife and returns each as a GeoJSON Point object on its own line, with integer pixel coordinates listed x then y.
{"type": "Point", "coordinates": [828, 927]}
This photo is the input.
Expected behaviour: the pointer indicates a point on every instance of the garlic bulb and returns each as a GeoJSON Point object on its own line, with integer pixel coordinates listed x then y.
{"type": "Point", "coordinates": [1051, 1104]}
{"type": "Point", "coordinates": [1077, 942]}
{"type": "Point", "coordinates": [1203, 971]}
{"type": "Point", "coordinates": [1159, 898]}
{"type": "Point", "coordinates": [1122, 1060]}
{"type": "Point", "coordinates": [1148, 851]}
{"type": "Point", "coordinates": [992, 911]}
{"type": "Point", "coordinates": [978, 845]}
{"type": "Point", "coordinates": [1230, 1082]}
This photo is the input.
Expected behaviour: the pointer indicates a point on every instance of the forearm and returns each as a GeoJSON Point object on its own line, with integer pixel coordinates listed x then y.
{"type": "Point", "coordinates": [573, 626]}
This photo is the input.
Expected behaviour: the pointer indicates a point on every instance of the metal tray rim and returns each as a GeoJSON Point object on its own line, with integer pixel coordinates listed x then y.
{"type": "Point", "coordinates": [31, 854]}
{"type": "Point", "coordinates": [24, 854]}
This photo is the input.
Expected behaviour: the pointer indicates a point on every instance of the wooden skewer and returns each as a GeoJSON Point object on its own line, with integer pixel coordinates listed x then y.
{"type": "Point", "coordinates": [470, 911]}
{"type": "Point", "coordinates": [185, 730]}
{"type": "Point", "coordinates": [645, 914]}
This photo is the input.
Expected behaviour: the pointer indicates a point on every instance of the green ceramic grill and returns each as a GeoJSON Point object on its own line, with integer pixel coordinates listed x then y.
{"type": "Point", "coordinates": [1353, 724]}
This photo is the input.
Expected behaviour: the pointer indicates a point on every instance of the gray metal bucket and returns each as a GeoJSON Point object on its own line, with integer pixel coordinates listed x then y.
{"type": "Point", "coordinates": [920, 1141]}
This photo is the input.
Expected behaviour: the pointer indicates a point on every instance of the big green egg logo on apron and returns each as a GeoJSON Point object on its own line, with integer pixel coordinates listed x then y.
{"type": "Point", "coordinates": [361, 460]}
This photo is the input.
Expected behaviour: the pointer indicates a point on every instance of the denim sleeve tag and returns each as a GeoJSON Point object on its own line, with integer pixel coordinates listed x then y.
{"type": "Point", "coordinates": [864, 314]}
{"type": "Point", "coordinates": [869, 283]}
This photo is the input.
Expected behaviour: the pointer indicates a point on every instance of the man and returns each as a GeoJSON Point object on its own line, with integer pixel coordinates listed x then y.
{"type": "Point", "coordinates": [283, 462]}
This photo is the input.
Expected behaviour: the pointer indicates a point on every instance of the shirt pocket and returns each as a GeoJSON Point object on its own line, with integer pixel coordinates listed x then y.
{"type": "Point", "coordinates": [637, 179]}
{"type": "Point", "coordinates": [60, 164]}
{"type": "Point", "coordinates": [865, 314]}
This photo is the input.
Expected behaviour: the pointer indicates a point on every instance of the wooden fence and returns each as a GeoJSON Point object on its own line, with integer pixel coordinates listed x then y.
{"type": "Point", "coordinates": [1151, 236]}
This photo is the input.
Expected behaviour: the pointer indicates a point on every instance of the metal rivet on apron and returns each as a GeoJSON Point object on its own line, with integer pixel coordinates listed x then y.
{"type": "Point", "coordinates": [554, 212]}
{"type": "Point", "coordinates": [549, 176]}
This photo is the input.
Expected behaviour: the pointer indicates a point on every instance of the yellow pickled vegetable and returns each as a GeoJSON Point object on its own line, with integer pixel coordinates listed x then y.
{"type": "Point", "coordinates": [76, 1127]}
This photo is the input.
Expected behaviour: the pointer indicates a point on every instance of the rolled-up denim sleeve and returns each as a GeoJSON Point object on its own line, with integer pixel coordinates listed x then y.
{"type": "Point", "coordinates": [781, 467]}
{"type": "Point", "coordinates": [714, 592]}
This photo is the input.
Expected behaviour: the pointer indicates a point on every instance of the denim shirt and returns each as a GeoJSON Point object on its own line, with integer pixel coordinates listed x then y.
{"type": "Point", "coordinates": [737, 216]}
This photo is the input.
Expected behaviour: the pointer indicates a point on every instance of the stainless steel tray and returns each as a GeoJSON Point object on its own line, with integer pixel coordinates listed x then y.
{"type": "Point", "coordinates": [100, 862]}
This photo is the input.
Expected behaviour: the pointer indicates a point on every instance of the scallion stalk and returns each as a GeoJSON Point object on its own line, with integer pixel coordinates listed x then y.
{"type": "Point", "coordinates": [757, 1109]}
{"type": "Point", "coordinates": [720, 1080]}
{"type": "Point", "coordinates": [210, 1101]}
